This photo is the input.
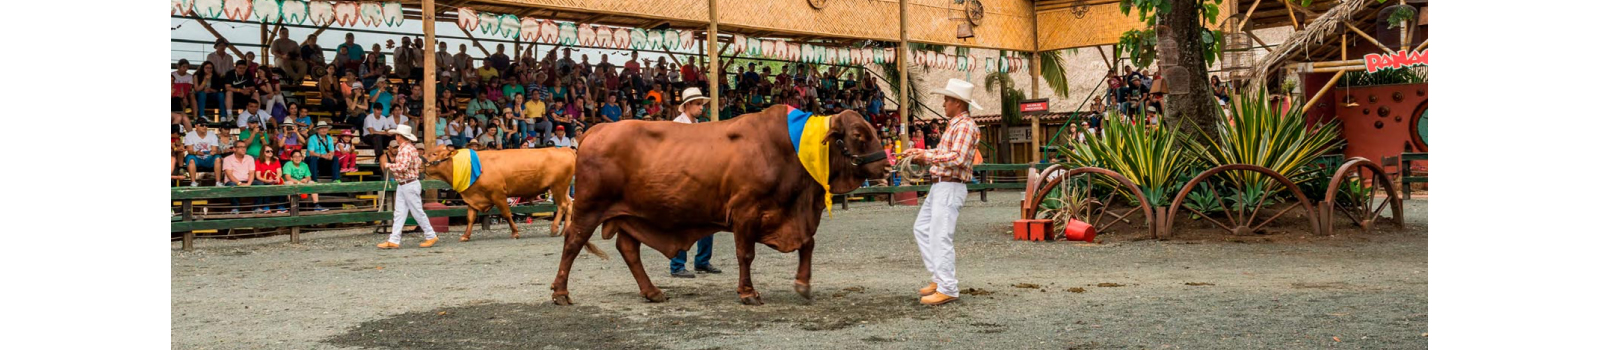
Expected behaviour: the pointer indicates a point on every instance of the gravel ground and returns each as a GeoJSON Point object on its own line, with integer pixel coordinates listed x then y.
{"type": "Point", "coordinates": [1359, 290]}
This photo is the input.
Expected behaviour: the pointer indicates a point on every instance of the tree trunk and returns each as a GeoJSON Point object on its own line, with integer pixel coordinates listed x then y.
{"type": "Point", "coordinates": [1193, 107]}
{"type": "Point", "coordinates": [1002, 144]}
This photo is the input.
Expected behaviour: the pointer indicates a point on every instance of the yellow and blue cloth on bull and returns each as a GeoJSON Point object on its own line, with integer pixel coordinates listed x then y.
{"type": "Point", "coordinates": [464, 169]}
{"type": "Point", "coordinates": [809, 133]}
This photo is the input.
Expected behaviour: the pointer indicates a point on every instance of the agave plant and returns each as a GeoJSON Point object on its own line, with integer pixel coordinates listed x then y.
{"type": "Point", "coordinates": [1262, 135]}
{"type": "Point", "coordinates": [1152, 158]}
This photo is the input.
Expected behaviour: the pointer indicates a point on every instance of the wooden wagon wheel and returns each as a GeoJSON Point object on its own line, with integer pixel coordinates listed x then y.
{"type": "Point", "coordinates": [1358, 206]}
{"type": "Point", "coordinates": [1096, 205]}
{"type": "Point", "coordinates": [1245, 221]}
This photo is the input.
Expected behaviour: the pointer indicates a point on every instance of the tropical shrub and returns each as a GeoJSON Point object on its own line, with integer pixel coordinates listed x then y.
{"type": "Point", "coordinates": [1261, 135]}
{"type": "Point", "coordinates": [1154, 159]}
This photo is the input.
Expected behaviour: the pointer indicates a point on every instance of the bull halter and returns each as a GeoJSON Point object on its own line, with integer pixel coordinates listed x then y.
{"type": "Point", "coordinates": [858, 160]}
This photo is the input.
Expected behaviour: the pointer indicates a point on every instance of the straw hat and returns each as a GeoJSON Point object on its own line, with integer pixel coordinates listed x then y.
{"type": "Point", "coordinates": [960, 90]}
{"type": "Point", "coordinates": [323, 124]}
{"type": "Point", "coordinates": [690, 95]}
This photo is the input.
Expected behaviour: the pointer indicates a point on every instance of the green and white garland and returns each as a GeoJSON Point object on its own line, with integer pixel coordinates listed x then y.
{"type": "Point", "coordinates": [348, 13]}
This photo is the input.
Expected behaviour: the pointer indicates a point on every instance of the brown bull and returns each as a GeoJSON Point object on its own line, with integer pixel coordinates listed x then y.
{"type": "Point", "coordinates": [666, 185]}
{"type": "Point", "coordinates": [511, 173]}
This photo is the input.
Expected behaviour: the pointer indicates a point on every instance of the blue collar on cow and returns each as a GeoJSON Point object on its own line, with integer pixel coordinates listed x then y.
{"type": "Point", "coordinates": [809, 134]}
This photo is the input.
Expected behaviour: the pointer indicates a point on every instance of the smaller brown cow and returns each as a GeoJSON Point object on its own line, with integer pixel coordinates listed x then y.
{"type": "Point", "coordinates": [511, 173]}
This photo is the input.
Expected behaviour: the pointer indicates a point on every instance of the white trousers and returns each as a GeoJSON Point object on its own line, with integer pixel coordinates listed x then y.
{"type": "Point", "coordinates": [934, 228]}
{"type": "Point", "coordinates": [408, 200]}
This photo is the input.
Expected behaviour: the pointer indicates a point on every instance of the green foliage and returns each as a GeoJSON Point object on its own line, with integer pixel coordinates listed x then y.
{"type": "Point", "coordinates": [1139, 44]}
{"type": "Point", "coordinates": [1406, 75]}
{"type": "Point", "coordinates": [1401, 14]}
{"type": "Point", "coordinates": [1265, 136]}
{"type": "Point", "coordinates": [1053, 72]}
{"type": "Point", "coordinates": [1152, 158]}
{"type": "Point", "coordinates": [1010, 97]}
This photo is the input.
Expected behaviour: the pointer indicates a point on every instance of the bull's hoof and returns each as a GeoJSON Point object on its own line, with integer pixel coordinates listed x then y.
{"type": "Point", "coordinates": [753, 299]}
{"type": "Point", "coordinates": [516, 236]}
{"type": "Point", "coordinates": [466, 238]}
{"type": "Point", "coordinates": [655, 297]}
{"type": "Point", "coordinates": [803, 288]}
{"type": "Point", "coordinates": [561, 299]}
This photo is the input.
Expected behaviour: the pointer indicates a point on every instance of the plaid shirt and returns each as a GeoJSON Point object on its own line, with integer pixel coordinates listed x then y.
{"type": "Point", "coordinates": [405, 165]}
{"type": "Point", "coordinates": [953, 158]}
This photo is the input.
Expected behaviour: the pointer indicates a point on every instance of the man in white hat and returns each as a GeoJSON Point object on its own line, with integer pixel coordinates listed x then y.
{"type": "Point", "coordinates": [950, 165]}
{"type": "Point", "coordinates": [693, 106]}
{"type": "Point", "coordinates": [406, 167]}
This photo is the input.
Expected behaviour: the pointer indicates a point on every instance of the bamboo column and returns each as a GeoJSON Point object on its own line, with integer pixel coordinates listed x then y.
{"type": "Point", "coordinates": [715, 75]}
{"type": "Point", "coordinates": [1033, 72]}
{"type": "Point", "coordinates": [905, 86]}
{"type": "Point", "coordinates": [430, 112]}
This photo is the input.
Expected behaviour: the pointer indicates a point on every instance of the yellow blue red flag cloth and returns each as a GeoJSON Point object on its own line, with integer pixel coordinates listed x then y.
{"type": "Point", "coordinates": [464, 169]}
{"type": "Point", "coordinates": [809, 134]}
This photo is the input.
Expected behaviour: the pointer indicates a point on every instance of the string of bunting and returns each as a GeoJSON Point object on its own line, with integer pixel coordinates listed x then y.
{"type": "Point", "coordinates": [345, 13]}
{"type": "Point", "coordinates": [569, 33]}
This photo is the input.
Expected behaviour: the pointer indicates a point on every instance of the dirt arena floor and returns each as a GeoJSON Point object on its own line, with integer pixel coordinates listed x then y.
{"type": "Point", "coordinates": [336, 291]}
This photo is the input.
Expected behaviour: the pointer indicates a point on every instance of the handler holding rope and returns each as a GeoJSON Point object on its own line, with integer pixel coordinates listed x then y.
{"type": "Point", "coordinates": [407, 169]}
{"type": "Point", "coordinates": [951, 167]}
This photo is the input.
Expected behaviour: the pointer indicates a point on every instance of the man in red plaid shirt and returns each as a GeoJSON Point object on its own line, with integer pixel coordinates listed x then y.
{"type": "Point", "coordinates": [406, 167]}
{"type": "Point", "coordinates": [951, 168]}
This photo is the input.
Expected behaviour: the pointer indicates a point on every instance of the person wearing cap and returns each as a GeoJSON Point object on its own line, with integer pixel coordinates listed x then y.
{"type": "Point", "coordinates": [561, 139]}
{"type": "Point", "coordinates": [693, 106]}
{"type": "Point", "coordinates": [203, 152]}
{"type": "Point", "coordinates": [320, 150]}
{"type": "Point", "coordinates": [950, 166]}
{"type": "Point", "coordinates": [220, 59]}
{"type": "Point", "coordinates": [406, 167]}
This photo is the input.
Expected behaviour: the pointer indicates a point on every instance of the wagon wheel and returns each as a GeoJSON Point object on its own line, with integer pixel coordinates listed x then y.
{"type": "Point", "coordinates": [1090, 195]}
{"type": "Point", "coordinates": [1353, 190]}
{"type": "Point", "coordinates": [1244, 213]}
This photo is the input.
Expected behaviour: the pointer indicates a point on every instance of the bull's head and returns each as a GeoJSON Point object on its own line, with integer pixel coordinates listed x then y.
{"type": "Point", "coordinates": [857, 154]}
{"type": "Point", "coordinates": [436, 162]}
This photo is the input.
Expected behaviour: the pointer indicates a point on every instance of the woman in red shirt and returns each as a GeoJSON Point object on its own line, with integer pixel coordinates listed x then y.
{"type": "Point", "coordinates": [268, 172]}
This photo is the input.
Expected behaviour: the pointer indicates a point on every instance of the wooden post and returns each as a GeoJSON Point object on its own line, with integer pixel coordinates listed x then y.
{"type": "Point", "coordinates": [1405, 35]}
{"type": "Point", "coordinates": [262, 55]}
{"type": "Point", "coordinates": [430, 108]}
{"type": "Point", "coordinates": [1247, 15]}
{"type": "Point", "coordinates": [905, 85]}
{"type": "Point", "coordinates": [1292, 19]}
{"type": "Point", "coordinates": [1034, 144]}
{"type": "Point", "coordinates": [716, 72]}
{"type": "Point", "coordinates": [188, 240]}
{"type": "Point", "coordinates": [294, 210]}
{"type": "Point", "coordinates": [1312, 101]}
{"type": "Point", "coordinates": [1369, 38]}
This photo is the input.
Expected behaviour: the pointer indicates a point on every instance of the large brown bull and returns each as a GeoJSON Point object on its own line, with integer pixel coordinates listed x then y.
{"type": "Point", "coordinates": [511, 173]}
{"type": "Point", "coordinates": [667, 185]}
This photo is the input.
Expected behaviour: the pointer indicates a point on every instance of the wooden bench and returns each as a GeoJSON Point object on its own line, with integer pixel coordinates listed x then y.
{"type": "Point", "coordinates": [1402, 173]}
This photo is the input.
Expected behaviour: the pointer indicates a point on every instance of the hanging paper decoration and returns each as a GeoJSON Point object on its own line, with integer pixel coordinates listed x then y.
{"type": "Point", "coordinates": [392, 13]}
{"type": "Point", "coordinates": [794, 52]}
{"type": "Point", "coordinates": [686, 39]}
{"type": "Point", "coordinates": [371, 13]}
{"type": "Point", "coordinates": [295, 12]}
{"type": "Point", "coordinates": [655, 37]}
{"type": "Point", "coordinates": [237, 10]}
{"type": "Point", "coordinates": [621, 38]}
{"type": "Point", "coordinates": [961, 63]}
{"type": "Point", "coordinates": [347, 13]}
{"type": "Point", "coordinates": [569, 34]}
{"type": "Point", "coordinates": [320, 12]}
{"type": "Point", "coordinates": [549, 32]}
{"type": "Point", "coordinates": [855, 56]}
{"type": "Point", "coordinates": [466, 18]}
{"type": "Point", "coordinates": [752, 46]}
{"type": "Point", "coordinates": [182, 7]}
{"type": "Point", "coordinates": [528, 29]}
{"type": "Point", "coordinates": [639, 39]}
{"type": "Point", "coordinates": [780, 50]}
{"type": "Point", "coordinates": [586, 34]}
{"type": "Point", "coordinates": [889, 55]}
{"type": "Point", "coordinates": [208, 8]}
{"type": "Point", "coordinates": [768, 47]}
{"type": "Point", "coordinates": [737, 45]}
{"type": "Point", "coordinates": [669, 39]}
{"type": "Point", "coordinates": [510, 26]}
{"type": "Point", "coordinates": [602, 36]}
{"type": "Point", "coordinates": [488, 23]}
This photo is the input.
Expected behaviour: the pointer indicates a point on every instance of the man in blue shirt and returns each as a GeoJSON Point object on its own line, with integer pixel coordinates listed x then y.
{"type": "Point", "coordinates": [610, 110]}
{"type": "Point", "coordinates": [352, 50]}
{"type": "Point", "coordinates": [320, 147]}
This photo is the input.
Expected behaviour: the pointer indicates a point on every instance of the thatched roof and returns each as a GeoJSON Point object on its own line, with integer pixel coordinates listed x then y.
{"type": "Point", "coordinates": [1315, 37]}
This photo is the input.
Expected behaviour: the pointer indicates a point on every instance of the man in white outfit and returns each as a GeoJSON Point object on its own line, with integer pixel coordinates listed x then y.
{"type": "Point", "coordinates": [693, 106]}
{"type": "Point", "coordinates": [406, 167]}
{"type": "Point", "coordinates": [950, 165]}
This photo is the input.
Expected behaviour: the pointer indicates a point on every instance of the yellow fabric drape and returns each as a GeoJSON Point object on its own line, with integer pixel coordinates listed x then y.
{"type": "Point", "coordinates": [461, 170]}
{"type": "Point", "coordinates": [814, 155]}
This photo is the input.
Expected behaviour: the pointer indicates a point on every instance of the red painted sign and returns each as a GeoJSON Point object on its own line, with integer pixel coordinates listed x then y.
{"type": "Point", "coordinates": [1036, 106]}
{"type": "Point", "coordinates": [1399, 59]}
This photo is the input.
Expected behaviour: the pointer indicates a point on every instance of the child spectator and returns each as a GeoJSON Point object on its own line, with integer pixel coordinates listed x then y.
{"type": "Point", "coordinates": [345, 152]}
{"type": "Point", "coordinates": [297, 172]}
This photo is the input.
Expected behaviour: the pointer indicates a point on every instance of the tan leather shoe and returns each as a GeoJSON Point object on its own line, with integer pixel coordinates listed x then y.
{"type": "Point", "coordinates": [937, 299]}
{"type": "Point", "coordinates": [429, 243]}
{"type": "Point", "coordinates": [929, 290]}
{"type": "Point", "coordinates": [387, 245]}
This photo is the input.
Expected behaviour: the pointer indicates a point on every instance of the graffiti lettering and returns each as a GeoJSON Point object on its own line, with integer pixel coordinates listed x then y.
{"type": "Point", "coordinates": [1399, 59]}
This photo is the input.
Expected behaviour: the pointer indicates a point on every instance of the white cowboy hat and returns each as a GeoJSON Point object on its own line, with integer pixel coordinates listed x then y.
{"type": "Point", "coordinates": [691, 94]}
{"type": "Point", "coordinates": [323, 124]}
{"type": "Point", "coordinates": [405, 131]}
{"type": "Point", "coordinates": [959, 89]}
